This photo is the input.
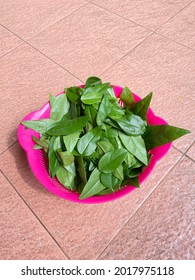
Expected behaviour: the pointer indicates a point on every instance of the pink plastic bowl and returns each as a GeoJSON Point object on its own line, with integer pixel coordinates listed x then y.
{"type": "Point", "coordinates": [38, 162]}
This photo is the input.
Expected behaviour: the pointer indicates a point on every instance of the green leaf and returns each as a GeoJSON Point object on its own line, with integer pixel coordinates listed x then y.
{"type": "Point", "coordinates": [59, 106]}
{"type": "Point", "coordinates": [115, 111]}
{"type": "Point", "coordinates": [157, 135]}
{"type": "Point", "coordinates": [38, 125]}
{"type": "Point", "coordinates": [91, 112]}
{"type": "Point", "coordinates": [101, 88]}
{"type": "Point", "coordinates": [118, 173]}
{"type": "Point", "coordinates": [54, 164]}
{"type": "Point", "coordinates": [87, 144]}
{"type": "Point", "coordinates": [111, 160]}
{"type": "Point", "coordinates": [80, 166]}
{"type": "Point", "coordinates": [65, 157]}
{"type": "Point", "coordinates": [91, 166]}
{"type": "Point", "coordinates": [65, 178]}
{"type": "Point", "coordinates": [73, 93]}
{"type": "Point", "coordinates": [141, 107]}
{"type": "Point", "coordinates": [134, 125]}
{"type": "Point", "coordinates": [105, 146]}
{"type": "Point", "coordinates": [66, 127]}
{"type": "Point", "coordinates": [93, 186]}
{"type": "Point", "coordinates": [131, 160]}
{"type": "Point", "coordinates": [71, 168]}
{"type": "Point", "coordinates": [91, 97]}
{"type": "Point", "coordinates": [136, 146]}
{"type": "Point", "coordinates": [127, 97]}
{"type": "Point", "coordinates": [103, 110]}
{"type": "Point", "coordinates": [108, 180]}
{"type": "Point", "coordinates": [131, 182]}
{"type": "Point", "coordinates": [42, 143]}
{"type": "Point", "coordinates": [93, 81]}
{"type": "Point", "coordinates": [132, 173]}
{"type": "Point", "coordinates": [71, 140]}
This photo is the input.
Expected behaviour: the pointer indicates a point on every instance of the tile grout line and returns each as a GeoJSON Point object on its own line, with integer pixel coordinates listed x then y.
{"type": "Point", "coordinates": [139, 207]}
{"type": "Point", "coordinates": [46, 27]}
{"type": "Point", "coordinates": [174, 15]}
{"type": "Point", "coordinates": [99, 6]}
{"type": "Point", "coordinates": [87, 3]}
{"type": "Point", "coordinates": [12, 49]}
{"type": "Point", "coordinates": [55, 62]}
{"type": "Point", "coordinates": [51, 236]}
{"type": "Point", "coordinates": [27, 43]}
{"type": "Point", "coordinates": [8, 147]}
{"type": "Point", "coordinates": [156, 33]}
{"type": "Point", "coordinates": [127, 53]}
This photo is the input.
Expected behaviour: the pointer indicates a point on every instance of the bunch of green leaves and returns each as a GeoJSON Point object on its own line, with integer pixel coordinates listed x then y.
{"type": "Point", "coordinates": [94, 145]}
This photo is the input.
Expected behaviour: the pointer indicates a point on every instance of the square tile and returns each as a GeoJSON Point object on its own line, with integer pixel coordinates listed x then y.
{"type": "Point", "coordinates": [27, 18]}
{"type": "Point", "coordinates": [164, 227]}
{"type": "Point", "coordinates": [167, 69]}
{"type": "Point", "coordinates": [181, 28]}
{"type": "Point", "coordinates": [21, 234]}
{"type": "Point", "coordinates": [82, 230]}
{"type": "Point", "coordinates": [8, 41]}
{"type": "Point", "coordinates": [150, 14]}
{"type": "Point", "coordinates": [26, 78]}
{"type": "Point", "coordinates": [191, 152]}
{"type": "Point", "coordinates": [89, 41]}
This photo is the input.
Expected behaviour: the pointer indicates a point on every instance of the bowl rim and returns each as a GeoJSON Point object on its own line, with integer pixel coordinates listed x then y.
{"type": "Point", "coordinates": [26, 142]}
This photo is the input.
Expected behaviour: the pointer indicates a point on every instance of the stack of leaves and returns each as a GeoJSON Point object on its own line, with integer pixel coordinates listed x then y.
{"type": "Point", "coordinates": [95, 143]}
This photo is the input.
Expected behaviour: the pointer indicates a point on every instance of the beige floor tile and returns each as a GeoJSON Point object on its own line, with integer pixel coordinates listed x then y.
{"type": "Point", "coordinates": [21, 234]}
{"type": "Point", "coordinates": [8, 41]}
{"type": "Point", "coordinates": [89, 40]}
{"type": "Point", "coordinates": [26, 78]}
{"type": "Point", "coordinates": [27, 18]}
{"type": "Point", "coordinates": [164, 227]}
{"type": "Point", "coordinates": [150, 14]}
{"type": "Point", "coordinates": [181, 28]}
{"type": "Point", "coordinates": [191, 152]}
{"type": "Point", "coordinates": [167, 69]}
{"type": "Point", "coordinates": [82, 230]}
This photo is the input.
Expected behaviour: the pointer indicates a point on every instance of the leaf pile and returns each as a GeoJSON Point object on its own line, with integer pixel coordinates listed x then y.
{"type": "Point", "coordinates": [95, 146]}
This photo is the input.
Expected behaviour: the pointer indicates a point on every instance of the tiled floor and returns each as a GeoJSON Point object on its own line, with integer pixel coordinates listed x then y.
{"type": "Point", "coordinates": [147, 45]}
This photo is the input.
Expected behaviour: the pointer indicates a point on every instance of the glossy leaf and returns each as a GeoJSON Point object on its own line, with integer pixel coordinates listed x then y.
{"type": "Point", "coordinates": [133, 126]}
{"type": "Point", "coordinates": [91, 112]}
{"type": "Point", "coordinates": [71, 168]}
{"type": "Point", "coordinates": [59, 107]}
{"type": "Point", "coordinates": [105, 146]}
{"type": "Point", "coordinates": [87, 144]}
{"type": "Point", "coordinates": [127, 97]}
{"type": "Point", "coordinates": [101, 88]}
{"type": "Point", "coordinates": [111, 160]}
{"type": "Point", "coordinates": [71, 140]}
{"type": "Point", "coordinates": [108, 180]}
{"type": "Point", "coordinates": [68, 126]}
{"type": "Point", "coordinates": [41, 143]}
{"type": "Point", "coordinates": [39, 125]}
{"type": "Point", "coordinates": [93, 81]}
{"type": "Point", "coordinates": [91, 98]}
{"type": "Point", "coordinates": [141, 107]}
{"type": "Point", "coordinates": [65, 157]}
{"type": "Point", "coordinates": [73, 93]}
{"type": "Point", "coordinates": [103, 110]}
{"type": "Point", "coordinates": [93, 186]}
{"type": "Point", "coordinates": [118, 173]}
{"type": "Point", "coordinates": [54, 164]}
{"type": "Point", "coordinates": [65, 178]}
{"type": "Point", "coordinates": [136, 146]}
{"type": "Point", "coordinates": [157, 135]}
